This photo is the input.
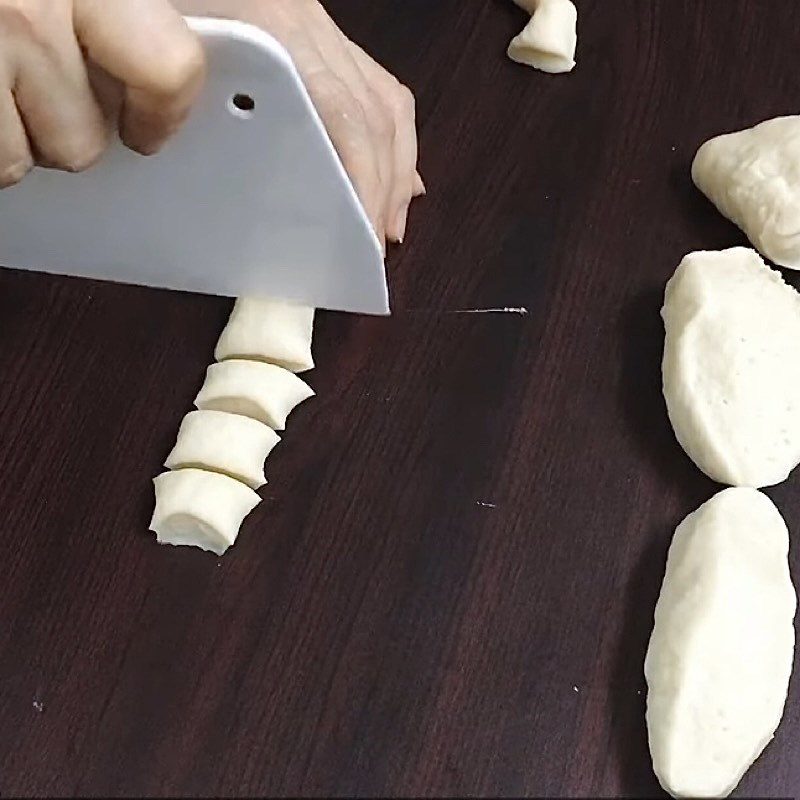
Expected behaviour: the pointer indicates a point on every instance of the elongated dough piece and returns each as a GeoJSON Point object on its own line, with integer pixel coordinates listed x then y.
{"type": "Point", "coordinates": [263, 329]}
{"type": "Point", "coordinates": [549, 40]}
{"type": "Point", "coordinates": [220, 442]}
{"type": "Point", "coordinates": [200, 509]}
{"type": "Point", "coordinates": [753, 178]}
{"type": "Point", "coordinates": [265, 392]}
{"type": "Point", "coordinates": [722, 647]}
{"type": "Point", "coordinates": [731, 366]}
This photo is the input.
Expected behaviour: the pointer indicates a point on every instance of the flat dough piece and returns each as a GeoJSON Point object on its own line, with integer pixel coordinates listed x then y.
{"type": "Point", "coordinates": [549, 40]}
{"type": "Point", "coordinates": [262, 329]}
{"type": "Point", "coordinates": [753, 178]}
{"type": "Point", "coordinates": [200, 509]}
{"type": "Point", "coordinates": [265, 392]}
{"type": "Point", "coordinates": [220, 442]}
{"type": "Point", "coordinates": [722, 647]}
{"type": "Point", "coordinates": [731, 368]}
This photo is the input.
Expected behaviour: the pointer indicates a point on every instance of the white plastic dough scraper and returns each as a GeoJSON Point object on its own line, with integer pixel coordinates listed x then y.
{"type": "Point", "coordinates": [249, 198]}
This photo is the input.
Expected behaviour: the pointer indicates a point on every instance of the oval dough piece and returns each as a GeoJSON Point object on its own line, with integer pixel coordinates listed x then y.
{"type": "Point", "coordinates": [262, 329]}
{"type": "Point", "coordinates": [200, 509]}
{"type": "Point", "coordinates": [731, 368]}
{"type": "Point", "coordinates": [753, 178]}
{"type": "Point", "coordinates": [549, 40]}
{"type": "Point", "coordinates": [265, 392]}
{"type": "Point", "coordinates": [722, 647]}
{"type": "Point", "coordinates": [220, 442]}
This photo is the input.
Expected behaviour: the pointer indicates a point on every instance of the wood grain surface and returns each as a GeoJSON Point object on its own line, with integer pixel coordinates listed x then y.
{"type": "Point", "coordinates": [450, 584]}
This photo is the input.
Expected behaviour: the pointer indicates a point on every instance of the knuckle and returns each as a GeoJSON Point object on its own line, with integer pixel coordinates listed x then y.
{"type": "Point", "coordinates": [25, 27]}
{"type": "Point", "coordinates": [11, 174]}
{"type": "Point", "coordinates": [405, 103]}
{"type": "Point", "coordinates": [335, 96]}
{"type": "Point", "coordinates": [18, 20]}
{"type": "Point", "coordinates": [381, 119]}
{"type": "Point", "coordinates": [79, 154]}
{"type": "Point", "coordinates": [183, 68]}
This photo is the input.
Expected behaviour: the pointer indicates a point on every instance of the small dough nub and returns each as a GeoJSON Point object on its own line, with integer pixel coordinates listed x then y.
{"type": "Point", "coordinates": [731, 366]}
{"type": "Point", "coordinates": [753, 178]}
{"type": "Point", "coordinates": [721, 652]}
{"type": "Point", "coordinates": [265, 392]}
{"type": "Point", "coordinates": [549, 39]}
{"type": "Point", "coordinates": [200, 509]}
{"type": "Point", "coordinates": [231, 444]}
{"type": "Point", "coordinates": [264, 329]}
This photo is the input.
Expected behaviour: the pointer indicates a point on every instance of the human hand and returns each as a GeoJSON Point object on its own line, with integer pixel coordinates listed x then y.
{"type": "Point", "coordinates": [369, 115]}
{"type": "Point", "coordinates": [58, 102]}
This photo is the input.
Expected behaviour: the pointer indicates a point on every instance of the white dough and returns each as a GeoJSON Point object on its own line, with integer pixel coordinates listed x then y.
{"type": "Point", "coordinates": [549, 40]}
{"type": "Point", "coordinates": [722, 648]}
{"type": "Point", "coordinates": [262, 329]}
{"type": "Point", "coordinates": [753, 178]}
{"type": "Point", "coordinates": [200, 509]}
{"type": "Point", "coordinates": [265, 392]}
{"type": "Point", "coordinates": [220, 442]}
{"type": "Point", "coordinates": [731, 368]}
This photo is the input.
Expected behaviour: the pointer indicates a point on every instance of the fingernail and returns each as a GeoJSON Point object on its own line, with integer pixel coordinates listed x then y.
{"type": "Point", "coordinates": [419, 185]}
{"type": "Point", "coordinates": [400, 223]}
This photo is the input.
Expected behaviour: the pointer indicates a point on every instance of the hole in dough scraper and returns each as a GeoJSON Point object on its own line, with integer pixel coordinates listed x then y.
{"type": "Point", "coordinates": [249, 198]}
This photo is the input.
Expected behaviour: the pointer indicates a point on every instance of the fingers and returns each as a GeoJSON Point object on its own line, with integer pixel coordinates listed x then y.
{"type": "Point", "coordinates": [52, 116]}
{"type": "Point", "coordinates": [398, 102]}
{"type": "Point", "coordinates": [65, 125]}
{"type": "Point", "coordinates": [350, 135]}
{"type": "Point", "coordinates": [15, 155]}
{"type": "Point", "coordinates": [146, 45]}
{"type": "Point", "coordinates": [369, 116]}
{"type": "Point", "coordinates": [353, 113]}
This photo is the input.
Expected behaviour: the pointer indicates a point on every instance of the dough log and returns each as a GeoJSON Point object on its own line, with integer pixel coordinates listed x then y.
{"type": "Point", "coordinates": [721, 651]}
{"type": "Point", "coordinates": [262, 329]}
{"type": "Point", "coordinates": [731, 368]}
{"type": "Point", "coordinates": [549, 40]}
{"type": "Point", "coordinates": [265, 392]}
{"type": "Point", "coordinates": [753, 178]}
{"type": "Point", "coordinates": [202, 509]}
{"type": "Point", "coordinates": [231, 444]}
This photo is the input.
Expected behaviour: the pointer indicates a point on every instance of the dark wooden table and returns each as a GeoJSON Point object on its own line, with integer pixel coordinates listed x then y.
{"type": "Point", "coordinates": [449, 587]}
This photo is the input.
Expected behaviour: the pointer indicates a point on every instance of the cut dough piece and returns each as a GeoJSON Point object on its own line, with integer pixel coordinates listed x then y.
{"type": "Point", "coordinates": [753, 178]}
{"type": "Point", "coordinates": [265, 392]}
{"type": "Point", "coordinates": [549, 40]}
{"type": "Point", "coordinates": [722, 647]}
{"type": "Point", "coordinates": [262, 329]}
{"type": "Point", "coordinates": [731, 366]}
{"type": "Point", "coordinates": [220, 442]}
{"type": "Point", "coordinates": [200, 509]}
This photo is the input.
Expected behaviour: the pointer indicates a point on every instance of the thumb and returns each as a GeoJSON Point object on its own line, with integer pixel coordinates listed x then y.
{"type": "Point", "coordinates": [147, 46]}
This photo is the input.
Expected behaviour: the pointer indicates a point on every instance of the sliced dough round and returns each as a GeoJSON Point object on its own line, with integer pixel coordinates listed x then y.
{"type": "Point", "coordinates": [200, 509]}
{"type": "Point", "coordinates": [262, 329]}
{"type": "Point", "coordinates": [753, 178]}
{"type": "Point", "coordinates": [549, 40]}
{"type": "Point", "coordinates": [265, 392]}
{"type": "Point", "coordinates": [722, 647]}
{"type": "Point", "coordinates": [220, 442]}
{"type": "Point", "coordinates": [731, 368]}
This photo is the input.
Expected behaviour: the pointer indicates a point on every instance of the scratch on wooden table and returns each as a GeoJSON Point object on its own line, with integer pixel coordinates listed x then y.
{"type": "Point", "coordinates": [521, 310]}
